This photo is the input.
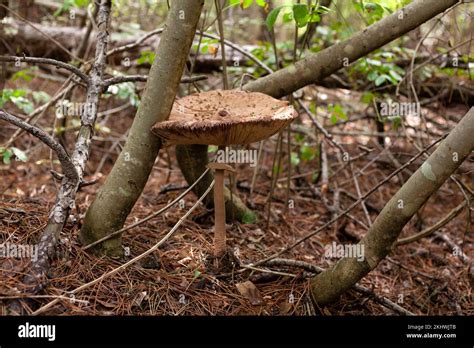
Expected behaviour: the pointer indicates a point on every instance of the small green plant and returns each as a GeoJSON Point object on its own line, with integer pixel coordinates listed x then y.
{"type": "Point", "coordinates": [68, 4]}
{"type": "Point", "coordinates": [337, 113]}
{"type": "Point", "coordinates": [207, 45]}
{"type": "Point", "coordinates": [146, 57]}
{"type": "Point", "coordinates": [124, 91]}
{"type": "Point", "coordinates": [7, 153]}
{"type": "Point", "coordinates": [17, 97]}
{"type": "Point", "coordinates": [247, 3]}
{"type": "Point", "coordinates": [301, 14]}
{"type": "Point", "coordinates": [380, 68]}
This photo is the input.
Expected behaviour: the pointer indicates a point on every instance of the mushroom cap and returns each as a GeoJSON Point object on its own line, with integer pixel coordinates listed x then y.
{"type": "Point", "coordinates": [227, 117]}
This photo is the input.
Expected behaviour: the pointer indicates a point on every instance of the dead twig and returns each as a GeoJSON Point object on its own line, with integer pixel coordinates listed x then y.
{"type": "Point", "coordinates": [47, 61]}
{"type": "Point", "coordinates": [428, 231]}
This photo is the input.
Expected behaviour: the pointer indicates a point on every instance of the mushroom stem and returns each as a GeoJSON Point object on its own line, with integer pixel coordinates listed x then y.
{"type": "Point", "coordinates": [219, 219]}
{"type": "Point", "coordinates": [220, 245]}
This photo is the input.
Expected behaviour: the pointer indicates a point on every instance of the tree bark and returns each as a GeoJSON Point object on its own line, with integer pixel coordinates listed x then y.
{"type": "Point", "coordinates": [329, 285]}
{"type": "Point", "coordinates": [129, 175]}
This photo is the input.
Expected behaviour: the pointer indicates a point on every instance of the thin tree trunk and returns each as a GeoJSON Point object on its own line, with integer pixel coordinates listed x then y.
{"type": "Point", "coordinates": [329, 285]}
{"type": "Point", "coordinates": [129, 175]}
{"type": "Point", "coordinates": [73, 173]}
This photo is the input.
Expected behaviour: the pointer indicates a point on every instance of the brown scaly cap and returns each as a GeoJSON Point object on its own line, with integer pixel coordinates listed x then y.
{"type": "Point", "coordinates": [224, 118]}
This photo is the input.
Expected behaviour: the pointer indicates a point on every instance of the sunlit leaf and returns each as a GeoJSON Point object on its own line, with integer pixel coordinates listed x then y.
{"type": "Point", "coordinates": [380, 80]}
{"type": "Point", "coordinates": [19, 154]}
{"type": "Point", "coordinates": [295, 160]}
{"type": "Point", "coordinates": [272, 17]}
{"type": "Point", "coordinates": [300, 14]}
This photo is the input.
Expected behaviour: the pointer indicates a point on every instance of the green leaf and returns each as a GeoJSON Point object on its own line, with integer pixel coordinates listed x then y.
{"type": "Point", "coordinates": [212, 149]}
{"type": "Point", "coordinates": [272, 17]}
{"type": "Point", "coordinates": [339, 111]}
{"type": "Point", "coordinates": [315, 177]}
{"type": "Point", "coordinates": [7, 154]}
{"type": "Point", "coordinates": [333, 118]}
{"type": "Point", "coordinates": [372, 75]}
{"type": "Point", "coordinates": [245, 3]}
{"type": "Point", "coordinates": [381, 79]}
{"type": "Point", "coordinates": [18, 93]}
{"type": "Point", "coordinates": [20, 155]}
{"type": "Point", "coordinates": [234, 2]}
{"type": "Point", "coordinates": [307, 153]}
{"type": "Point", "coordinates": [81, 3]}
{"type": "Point", "coordinates": [323, 9]}
{"type": "Point", "coordinates": [249, 218]}
{"type": "Point", "coordinates": [41, 97]}
{"type": "Point", "coordinates": [299, 137]}
{"type": "Point", "coordinates": [374, 10]}
{"type": "Point", "coordinates": [358, 7]}
{"type": "Point", "coordinates": [146, 57]}
{"type": "Point", "coordinates": [314, 18]}
{"type": "Point", "coordinates": [261, 3]}
{"type": "Point", "coordinates": [396, 122]}
{"type": "Point", "coordinates": [374, 62]}
{"type": "Point", "coordinates": [23, 103]}
{"type": "Point", "coordinates": [300, 14]}
{"type": "Point", "coordinates": [287, 17]}
{"type": "Point", "coordinates": [395, 75]}
{"type": "Point", "coordinates": [24, 75]}
{"type": "Point", "coordinates": [276, 170]}
{"type": "Point", "coordinates": [295, 160]}
{"type": "Point", "coordinates": [367, 98]}
{"type": "Point", "coordinates": [67, 4]}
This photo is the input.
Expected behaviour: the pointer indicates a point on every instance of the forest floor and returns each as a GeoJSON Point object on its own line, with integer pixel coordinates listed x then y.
{"type": "Point", "coordinates": [424, 277]}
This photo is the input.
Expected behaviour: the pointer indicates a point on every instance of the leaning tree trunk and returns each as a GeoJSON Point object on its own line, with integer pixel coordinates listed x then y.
{"type": "Point", "coordinates": [317, 66]}
{"type": "Point", "coordinates": [326, 287]}
{"type": "Point", "coordinates": [129, 175]}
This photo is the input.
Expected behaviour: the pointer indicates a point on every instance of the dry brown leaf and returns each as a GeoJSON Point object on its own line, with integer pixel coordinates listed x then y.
{"type": "Point", "coordinates": [285, 307]}
{"type": "Point", "coordinates": [250, 292]}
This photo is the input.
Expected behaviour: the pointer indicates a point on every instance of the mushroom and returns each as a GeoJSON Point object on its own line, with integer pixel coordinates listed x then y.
{"type": "Point", "coordinates": [223, 118]}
